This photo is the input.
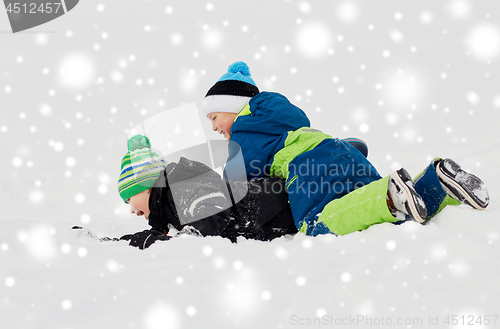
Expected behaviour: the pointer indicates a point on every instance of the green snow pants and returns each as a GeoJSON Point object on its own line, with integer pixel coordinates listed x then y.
{"type": "Point", "coordinates": [358, 210]}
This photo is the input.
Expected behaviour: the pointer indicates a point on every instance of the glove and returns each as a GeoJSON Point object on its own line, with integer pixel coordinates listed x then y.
{"type": "Point", "coordinates": [144, 239]}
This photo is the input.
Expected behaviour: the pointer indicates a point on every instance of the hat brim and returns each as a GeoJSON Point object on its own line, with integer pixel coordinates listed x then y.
{"type": "Point", "coordinates": [224, 103]}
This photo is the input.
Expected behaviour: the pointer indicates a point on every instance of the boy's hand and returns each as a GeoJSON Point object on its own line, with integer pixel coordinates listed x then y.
{"type": "Point", "coordinates": [144, 239]}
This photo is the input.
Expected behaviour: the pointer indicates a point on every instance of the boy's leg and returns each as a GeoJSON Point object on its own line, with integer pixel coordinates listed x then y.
{"type": "Point", "coordinates": [428, 184]}
{"type": "Point", "coordinates": [380, 201]}
{"type": "Point", "coordinates": [355, 211]}
{"type": "Point", "coordinates": [429, 188]}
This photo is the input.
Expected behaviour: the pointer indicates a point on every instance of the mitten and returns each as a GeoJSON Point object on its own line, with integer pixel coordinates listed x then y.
{"type": "Point", "coordinates": [144, 239]}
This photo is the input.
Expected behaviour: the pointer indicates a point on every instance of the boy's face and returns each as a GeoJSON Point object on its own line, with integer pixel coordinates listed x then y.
{"type": "Point", "coordinates": [139, 204]}
{"type": "Point", "coordinates": [222, 122]}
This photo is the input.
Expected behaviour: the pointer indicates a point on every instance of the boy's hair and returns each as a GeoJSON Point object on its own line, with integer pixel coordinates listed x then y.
{"type": "Point", "coordinates": [141, 166]}
{"type": "Point", "coordinates": [232, 92]}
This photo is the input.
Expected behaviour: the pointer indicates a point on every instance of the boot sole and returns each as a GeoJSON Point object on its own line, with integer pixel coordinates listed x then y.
{"type": "Point", "coordinates": [415, 205]}
{"type": "Point", "coordinates": [461, 185]}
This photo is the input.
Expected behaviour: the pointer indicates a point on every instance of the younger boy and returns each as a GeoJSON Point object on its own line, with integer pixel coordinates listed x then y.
{"type": "Point", "coordinates": [322, 172]}
{"type": "Point", "coordinates": [192, 198]}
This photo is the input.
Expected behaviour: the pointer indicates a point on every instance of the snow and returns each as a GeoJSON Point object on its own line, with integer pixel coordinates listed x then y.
{"type": "Point", "coordinates": [313, 40]}
{"type": "Point", "coordinates": [415, 81]}
{"type": "Point", "coordinates": [387, 270]}
{"type": "Point", "coordinates": [484, 41]}
{"type": "Point", "coordinates": [76, 71]}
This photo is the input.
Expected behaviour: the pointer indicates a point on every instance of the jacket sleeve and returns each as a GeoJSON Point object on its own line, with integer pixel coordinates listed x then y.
{"type": "Point", "coordinates": [236, 169]}
{"type": "Point", "coordinates": [191, 194]}
{"type": "Point", "coordinates": [214, 224]}
{"type": "Point", "coordinates": [208, 211]}
{"type": "Point", "coordinates": [209, 216]}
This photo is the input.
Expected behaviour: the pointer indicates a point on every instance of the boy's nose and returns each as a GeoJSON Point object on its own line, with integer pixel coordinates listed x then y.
{"type": "Point", "coordinates": [214, 127]}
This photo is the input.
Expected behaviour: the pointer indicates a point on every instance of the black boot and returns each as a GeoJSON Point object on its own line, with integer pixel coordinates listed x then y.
{"type": "Point", "coordinates": [461, 185]}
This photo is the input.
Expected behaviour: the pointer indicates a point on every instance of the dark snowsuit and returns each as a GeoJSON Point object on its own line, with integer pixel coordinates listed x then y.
{"type": "Point", "coordinates": [191, 195]}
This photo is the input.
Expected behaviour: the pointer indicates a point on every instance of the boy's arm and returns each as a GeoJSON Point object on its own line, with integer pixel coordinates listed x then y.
{"type": "Point", "coordinates": [235, 168]}
{"type": "Point", "coordinates": [209, 212]}
{"type": "Point", "coordinates": [212, 225]}
{"type": "Point", "coordinates": [193, 195]}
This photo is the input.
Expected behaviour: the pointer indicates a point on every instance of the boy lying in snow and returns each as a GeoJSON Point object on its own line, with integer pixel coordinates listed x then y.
{"type": "Point", "coordinates": [192, 198]}
{"type": "Point", "coordinates": [332, 187]}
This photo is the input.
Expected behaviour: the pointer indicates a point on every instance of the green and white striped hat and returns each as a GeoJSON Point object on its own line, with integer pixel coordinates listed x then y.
{"type": "Point", "coordinates": [140, 168]}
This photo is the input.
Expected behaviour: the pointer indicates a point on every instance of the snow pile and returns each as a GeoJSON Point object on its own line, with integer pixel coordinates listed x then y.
{"type": "Point", "coordinates": [403, 272]}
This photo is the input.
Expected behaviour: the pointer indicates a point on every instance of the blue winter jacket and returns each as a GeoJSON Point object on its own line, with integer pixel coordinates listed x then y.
{"type": "Point", "coordinates": [272, 137]}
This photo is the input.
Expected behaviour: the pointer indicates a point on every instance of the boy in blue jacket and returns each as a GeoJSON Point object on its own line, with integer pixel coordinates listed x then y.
{"type": "Point", "coordinates": [332, 187]}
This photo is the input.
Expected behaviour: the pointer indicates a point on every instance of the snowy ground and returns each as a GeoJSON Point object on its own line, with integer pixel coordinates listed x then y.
{"type": "Point", "coordinates": [415, 81]}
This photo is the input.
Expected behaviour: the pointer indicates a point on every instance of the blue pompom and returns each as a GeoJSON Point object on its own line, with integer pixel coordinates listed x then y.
{"type": "Point", "coordinates": [241, 67]}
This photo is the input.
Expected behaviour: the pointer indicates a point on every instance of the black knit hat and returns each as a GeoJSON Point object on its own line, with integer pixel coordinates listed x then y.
{"type": "Point", "coordinates": [232, 91]}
